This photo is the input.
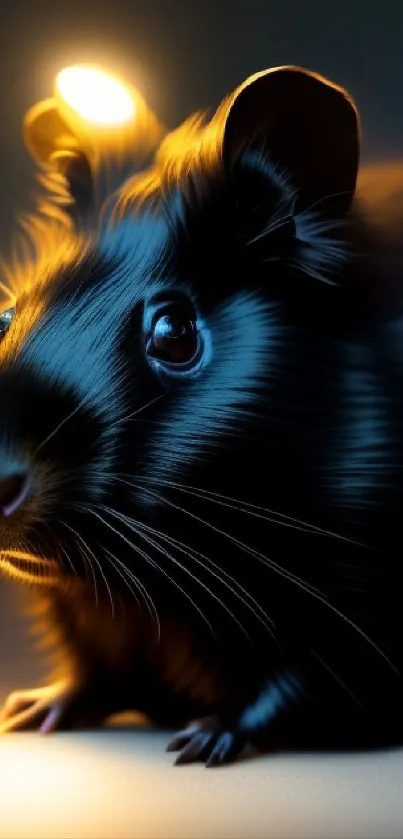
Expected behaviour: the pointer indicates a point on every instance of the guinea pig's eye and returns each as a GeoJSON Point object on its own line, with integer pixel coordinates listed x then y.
{"type": "Point", "coordinates": [173, 337]}
{"type": "Point", "coordinates": [5, 320]}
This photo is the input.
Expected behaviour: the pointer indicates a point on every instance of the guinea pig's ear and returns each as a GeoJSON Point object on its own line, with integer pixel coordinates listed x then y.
{"type": "Point", "coordinates": [67, 165]}
{"type": "Point", "coordinates": [306, 126]}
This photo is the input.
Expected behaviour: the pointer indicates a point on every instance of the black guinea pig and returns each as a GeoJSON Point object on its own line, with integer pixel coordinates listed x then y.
{"type": "Point", "coordinates": [201, 436]}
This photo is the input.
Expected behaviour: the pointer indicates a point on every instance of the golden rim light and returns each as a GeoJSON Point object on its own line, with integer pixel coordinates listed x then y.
{"type": "Point", "coordinates": [97, 97]}
{"type": "Point", "coordinates": [30, 568]}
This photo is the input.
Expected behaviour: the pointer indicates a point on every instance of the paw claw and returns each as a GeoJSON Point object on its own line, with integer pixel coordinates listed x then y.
{"type": "Point", "coordinates": [47, 709]}
{"type": "Point", "coordinates": [195, 748]}
{"type": "Point", "coordinates": [207, 740]}
{"type": "Point", "coordinates": [52, 719]}
{"type": "Point", "coordinates": [223, 749]}
{"type": "Point", "coordinates": [178, 742]}
{"type": "Point", "coordinates": [183, 737]}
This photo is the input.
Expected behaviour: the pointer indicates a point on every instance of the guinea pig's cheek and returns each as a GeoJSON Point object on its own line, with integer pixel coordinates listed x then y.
{"type": "Point", "coordinates": [219, 404]}
{"type": "Point", "coordinates": [73, 352]}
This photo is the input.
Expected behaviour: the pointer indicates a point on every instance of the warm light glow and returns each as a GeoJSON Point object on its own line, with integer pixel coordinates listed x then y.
{"type": "Point", "coordinates": [122, 785]}
{"type": "Point", "coordinates": [28, 567]}
{"type": "Point", "coordinates": [95, 96]}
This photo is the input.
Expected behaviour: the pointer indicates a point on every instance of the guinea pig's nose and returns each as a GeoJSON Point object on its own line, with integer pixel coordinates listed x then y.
{"type": "Point", "coordinates": [13, 490]}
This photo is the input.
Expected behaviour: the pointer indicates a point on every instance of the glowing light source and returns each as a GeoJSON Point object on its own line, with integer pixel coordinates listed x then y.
{"type": "Point", "coordinates": [95, 96]}
{"type": "Point", "coordinates": [94, 112]}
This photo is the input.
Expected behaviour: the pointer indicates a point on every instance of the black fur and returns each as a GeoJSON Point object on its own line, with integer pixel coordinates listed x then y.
{"type": "Point", "coordinates": [235, 531]}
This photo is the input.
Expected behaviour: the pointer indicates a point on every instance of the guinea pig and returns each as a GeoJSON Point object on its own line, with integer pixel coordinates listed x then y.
{"type": "Point", "coordinates": [201, 436]}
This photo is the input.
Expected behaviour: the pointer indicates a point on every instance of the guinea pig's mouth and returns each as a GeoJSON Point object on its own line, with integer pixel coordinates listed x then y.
{"type": "Point", "coordinates": [28, 567]}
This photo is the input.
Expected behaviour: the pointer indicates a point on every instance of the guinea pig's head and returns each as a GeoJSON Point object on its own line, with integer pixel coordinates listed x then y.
{"type": "Point", "coordinates": [168, 352]}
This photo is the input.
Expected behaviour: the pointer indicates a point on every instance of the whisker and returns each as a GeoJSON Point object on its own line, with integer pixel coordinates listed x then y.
{"type": "Point", "coordinates": [193, 554]}
{"type": "Point", "coordinates": [87, 563]}
{"type": "Point", "coordinates": [175, 562]}
{"type": "Point", "coordinates": [338, 679]}
{"type": "Point", "coordinates": [295, 524]}
{"type": "Point", "coordinates": [145, 556]}
{"type": "Point", "coordinates": [140, 587]}
{"type": "Point", "coordinates": [57, 429]}
{"type": "Point", "coordinates": [173, 559]}
{"type": "Point", "coordinates": [90, 554]}
{"type": "Point", "coordinates": [87, 560]}
{"type": "Point", "coordinates": [111, 558]}
{"type": "Point", "coordinates": [150, 562]}
{"type": "Point", "coordinates": [247, 548]}
{"type": "Point", "coordinates": [69, 560]}
{"type": "Point", "coordinates": [318, 595]}
{"type": "Point", "coordinates": [135, 413]}
{"type": "Point", "coordinates": [183, 568]}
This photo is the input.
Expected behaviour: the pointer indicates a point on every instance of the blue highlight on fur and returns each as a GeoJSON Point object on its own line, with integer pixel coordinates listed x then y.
{"type": "Point", "coordinates": [363, 462]}
{"type": "Point", "coordinates": [272, 701]}
{"type": "Point", "coordinates": [241, 348]}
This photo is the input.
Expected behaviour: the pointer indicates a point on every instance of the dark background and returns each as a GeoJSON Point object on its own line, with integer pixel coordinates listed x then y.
{"type": "Point", "coordinates": [184, 56]}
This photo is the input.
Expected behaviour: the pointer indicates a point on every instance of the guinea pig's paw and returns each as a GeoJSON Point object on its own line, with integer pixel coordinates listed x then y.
{"type": "Point", "coordinates": [50, 708]}
{"type": "Point", "coordinates": [208, 740]}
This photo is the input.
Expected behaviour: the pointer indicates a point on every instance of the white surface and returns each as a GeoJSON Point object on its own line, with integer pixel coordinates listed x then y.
{"type": "Point", "coordinates": [119, 784]}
